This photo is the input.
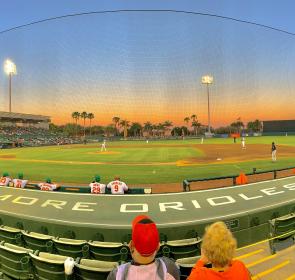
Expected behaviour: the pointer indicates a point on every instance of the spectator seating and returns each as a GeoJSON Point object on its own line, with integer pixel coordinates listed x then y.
{"type": "Point", "coordinates": [93, 269]}
{"type": "Point", "coordinates": [184, 248]}
{"type": "Point", "coordinates": [48, 266]}
{"type": "Point", "coordinates": [15, 261]}
{"type": "Point", "coordinates": [185, 265]}
{"type": "Point", "coordinates": [108, 251]}
{"type": "Point", "coordinates": [10, 235]}
{"type": "Point", "coordinates": [37, 241]}
{"type": "Point", "coordinates": [71, 247]}
{"type": "Point", "coordinates": [284, 225]}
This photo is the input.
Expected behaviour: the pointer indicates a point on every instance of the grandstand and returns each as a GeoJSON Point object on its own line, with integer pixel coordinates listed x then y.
{"type": "Point", "coordinates": [279, 126]}
{"type": "Point", "coordinates": [24, 120]}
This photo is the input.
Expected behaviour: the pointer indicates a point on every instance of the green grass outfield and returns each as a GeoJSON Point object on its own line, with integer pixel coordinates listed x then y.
{"type": "Point", "coordinates": [78, 163]}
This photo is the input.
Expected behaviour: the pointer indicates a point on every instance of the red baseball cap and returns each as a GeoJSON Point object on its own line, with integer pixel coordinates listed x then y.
{"type": "Point", "coordinates": [145, 235]}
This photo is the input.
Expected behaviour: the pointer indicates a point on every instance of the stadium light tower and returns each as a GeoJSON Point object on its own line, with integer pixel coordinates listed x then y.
{"type": "Point", "coordinates": [208, 80]}
{"type": "Point", "coordinates": [10, 69]}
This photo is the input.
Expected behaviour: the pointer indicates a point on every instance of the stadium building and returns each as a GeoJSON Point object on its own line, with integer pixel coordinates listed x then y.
{"type": "Point", "coordinates": [24, 120]}
{"type": "Point", "coordinates": [279, 126]}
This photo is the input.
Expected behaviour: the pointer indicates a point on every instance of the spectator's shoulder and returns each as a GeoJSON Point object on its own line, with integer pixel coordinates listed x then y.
{"type": "Point", "coordinates": [172, 268]}
{"type": "Point", "coordinates": [112, 275]}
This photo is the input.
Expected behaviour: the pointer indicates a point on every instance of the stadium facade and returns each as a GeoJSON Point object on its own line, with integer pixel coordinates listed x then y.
{"type": "Point", "coordinates": [24, 120]}
{"type": "Point", "coordinates": [279, 126]}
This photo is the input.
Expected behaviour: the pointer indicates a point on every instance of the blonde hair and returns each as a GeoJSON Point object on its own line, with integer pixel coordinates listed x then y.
{"type": "Point", "coordinates": [218, 244]}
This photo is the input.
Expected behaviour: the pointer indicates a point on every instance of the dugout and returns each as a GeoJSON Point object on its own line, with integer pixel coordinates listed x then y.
{"type": "Point", "coordinates": [279, 127]}
{"type": "Point", "coordinates": [24, 120]}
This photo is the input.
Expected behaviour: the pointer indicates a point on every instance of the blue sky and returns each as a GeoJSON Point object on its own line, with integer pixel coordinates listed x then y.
{"type": "Point", "coordinates": [147, 66]}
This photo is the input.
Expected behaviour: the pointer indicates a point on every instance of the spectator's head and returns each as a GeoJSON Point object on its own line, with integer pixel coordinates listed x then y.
{"type": "Point", "coordinates": [5, 174]}
{"type": "Point", "coordinates": [117, 178]}
{"type": "Point", "coordinates": [48, 180]}
{"type": "Point", "coordinates": [145, 241]}
{"type": "Point", "coordinates": [20, 176]}
{"type": "Point", "coordinates": [97, 178]}
{"type": "Point", "coordinates": [218, 244]}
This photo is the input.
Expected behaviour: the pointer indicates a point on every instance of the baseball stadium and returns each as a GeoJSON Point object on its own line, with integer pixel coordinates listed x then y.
{"type": "Point", "coordinates": [193, 112]}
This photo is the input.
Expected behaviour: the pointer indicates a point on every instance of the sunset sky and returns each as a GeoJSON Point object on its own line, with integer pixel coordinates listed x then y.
{"type": "Point", "coordinates": [147, 66]}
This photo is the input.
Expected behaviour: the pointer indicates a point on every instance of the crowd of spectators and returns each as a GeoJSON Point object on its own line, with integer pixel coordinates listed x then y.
{"type": "Point", "coordinates": [31, 137]}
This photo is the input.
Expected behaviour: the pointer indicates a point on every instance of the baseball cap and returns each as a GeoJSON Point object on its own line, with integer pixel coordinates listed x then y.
{"type": "Point", "coordinates": [145, 235]}
{"type": "Point", "coordinates": [48, 180]}
{"type": "Point", "coordinates": [97, 178]}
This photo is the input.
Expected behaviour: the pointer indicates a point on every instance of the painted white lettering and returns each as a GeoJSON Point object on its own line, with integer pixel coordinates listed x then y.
{"type": "Point", "coordinates": [55, 203]}
{"type": "Point", "coordinates": [4, 197]}
{"type": "Point", "coordinates": [249, 198]}
{"type": "Point", "coordinates": [25, 200]}
{"type": "Point", "coordinates": [196, 204]}
{"type": "Point", "coordinates": [134, 208]}
{"type": "Point", "coordinates": [83, 206]}
{"type": "Point", "coordinates": [271, 191]}
{"type": "Point", "coordinates": [224, 200]}
{"type": "Point", "coordinates": [172, 205]}
{"type": "Point", "coordinates": [290, 187]}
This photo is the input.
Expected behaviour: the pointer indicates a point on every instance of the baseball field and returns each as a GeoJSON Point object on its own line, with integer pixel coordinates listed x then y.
{"type": "Point", "coordinates": [139, 163]}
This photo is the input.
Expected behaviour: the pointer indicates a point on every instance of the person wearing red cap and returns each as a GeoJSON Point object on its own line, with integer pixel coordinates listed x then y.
{"type": "Point", "coordinates": [144, 246]}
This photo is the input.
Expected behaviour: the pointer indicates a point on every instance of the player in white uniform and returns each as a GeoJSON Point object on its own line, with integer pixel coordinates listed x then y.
{"type": "Point", "coordinates": [243, 143]}
{"type": "Point", "coordinates": [20, 182]}
{"type": "Point", "coordinates": [5, 179]}
{"type": "Point", "coordinates": [117, 187]}
{"type": "Point", "coordinates": [97, 187]}
{"type": "Point", "coordinates": [103, 146]}
{"type": "Point", "coordinates": [47, 186]}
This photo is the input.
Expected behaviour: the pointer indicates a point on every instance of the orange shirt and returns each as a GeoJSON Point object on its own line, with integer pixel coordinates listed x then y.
{"type": "Point", "coordinates": [236, 270]}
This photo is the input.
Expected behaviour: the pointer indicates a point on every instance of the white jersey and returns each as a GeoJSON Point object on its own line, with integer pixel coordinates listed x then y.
{"type": "Point", "coordinates": [47, 186]}
{"type": "Point", "coordinates": [117, 187]}
{"type": "Point", "coordinates": [4, 181]}
{"type": "Point", "coordinates": [19, 183]}
{"type": "Point", "coordinates": [97, 188]}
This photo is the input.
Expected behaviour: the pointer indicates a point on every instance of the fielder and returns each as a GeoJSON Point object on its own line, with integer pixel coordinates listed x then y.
{"type": "Point", "coordinates": [202, 140]}
{"type": "Point", "coordinates": [117, 186]}
{"type": "Point", "coordinates": [103, 146]}
{"type": "Point", "coordinates": [5, 180]}
{"type": "Point", "coordinates": [20, 182]}
{"type": "Point", "coordinates": [243, 143]}
{"type": "Point", "coordinates": [47, 186]}
{"type": "Point", "coordinates": [96, 187]}
{"type": "Point", "coordinates": [273, 152]}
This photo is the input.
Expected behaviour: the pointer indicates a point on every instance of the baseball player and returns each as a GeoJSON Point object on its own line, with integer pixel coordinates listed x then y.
{"type": "Point", "coordinates": [5, 179]}
{"type": "Point", "coordinates": [117, 187]}
{"type": "Point", "coordinates": [243, 143]}
{"type": "Point", "coordinates": [202, 140]}
{"type": "Point", "coordinates": [103, 146]}
{"type": "Point", "coordinates": [273, 152]}
{"type": "Point", "coordinates": [20, 182]}
{"type": "Point", "coordinates": [47, 186]}
{"type": "Point", "coordinates": [97, 187]}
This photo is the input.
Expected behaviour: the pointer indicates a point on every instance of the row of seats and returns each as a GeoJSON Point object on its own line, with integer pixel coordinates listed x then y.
{"type": "Point", "coordinates": [98, 250]}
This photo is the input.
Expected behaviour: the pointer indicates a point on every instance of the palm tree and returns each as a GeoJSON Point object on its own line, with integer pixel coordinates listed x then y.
{"type": "Point", "coordinates": [76, 116]}
{"type": "Point", "coordinates": [136, 129]}
{"type": "Point", "coordinates": [148, 127]}
{"type": "Point", "coordinates": [116, 121]}
{"type": "Point", "coordinates": [84, 116]}
{"type": "Point", "coordinates": [167, 124]}
{"type": "Point", "coordinates": [125, 125]}
{"type": "Point", "coordinates": [186, 120]}
{"type": "Point", "coordinates": [109, 129]}
{"type": "Point", "coordinates": [194, 123]}
{"type": "Point", "coordinates": [90, 117]}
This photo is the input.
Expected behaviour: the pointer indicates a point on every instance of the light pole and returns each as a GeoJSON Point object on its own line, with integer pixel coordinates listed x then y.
{"type": "Point", "coordinates": [10, 69]}
{"type": "Point", "coordinates": [208, 80]}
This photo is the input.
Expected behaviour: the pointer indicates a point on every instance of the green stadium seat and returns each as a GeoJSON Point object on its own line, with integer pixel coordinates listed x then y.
{"type": "Point", "coordinates": [37, 241]}
{"type": "Point", "coordinates": [184, 248]}
{"type": "Point", "coordinates": [71, 247]}
{"type": "Point", "coordinates": [185, 265]}
{"type": "Point", "coordinates": [10, 235]}
{"type": "Point", "coordinates": [87, 269]}
{"type": "Point", "coordinates": [108, 251]}
{"type": "Point", "coordinates": [284, 225]}
{"type": "Point", "coordinates": [15, 261]}
{"type": "Point", "coordinates": [48, 266]}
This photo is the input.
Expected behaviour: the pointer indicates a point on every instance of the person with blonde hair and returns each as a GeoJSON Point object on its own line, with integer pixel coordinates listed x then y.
{"type": "Point", "coordinates": [217, 253]}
